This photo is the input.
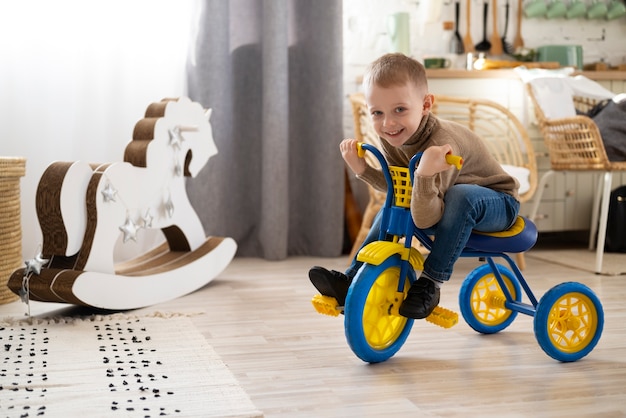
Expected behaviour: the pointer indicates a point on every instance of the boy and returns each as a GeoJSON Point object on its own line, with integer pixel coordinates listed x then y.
{"type": "Point", "coordinates": [445, 202]}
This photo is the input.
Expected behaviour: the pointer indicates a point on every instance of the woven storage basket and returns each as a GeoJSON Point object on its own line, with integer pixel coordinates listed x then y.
{"type": "Point", "coordinates": [11, 169]}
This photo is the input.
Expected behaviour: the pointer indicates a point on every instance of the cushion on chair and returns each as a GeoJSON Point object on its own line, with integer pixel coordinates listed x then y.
{"type": "Point", "coordinates": [554, 95]}
{"type": "Point", "coordinates": [521, 174]}
{"type": "Point", "coordinates": [585, 87]}
{"type": "Point", "coordinates": [554, 91]}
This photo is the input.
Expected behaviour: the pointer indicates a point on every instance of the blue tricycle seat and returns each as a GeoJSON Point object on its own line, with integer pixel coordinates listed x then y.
{"type": "Point", "coordinates": [520, 237]}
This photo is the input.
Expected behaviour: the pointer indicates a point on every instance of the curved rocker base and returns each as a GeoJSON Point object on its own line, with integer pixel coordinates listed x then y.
{"type": "Point", "coordinates": [157, 276]}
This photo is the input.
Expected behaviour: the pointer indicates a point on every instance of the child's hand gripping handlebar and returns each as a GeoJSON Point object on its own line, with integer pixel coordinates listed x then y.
{"type": "Point", "coordinates": [360, 150]}
{"type": "Point", "coordinates": [455, 160]}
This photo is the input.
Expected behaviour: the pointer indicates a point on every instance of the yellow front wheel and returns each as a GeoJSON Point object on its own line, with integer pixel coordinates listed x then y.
{"type": "Point", "coordinates": [374, 329]}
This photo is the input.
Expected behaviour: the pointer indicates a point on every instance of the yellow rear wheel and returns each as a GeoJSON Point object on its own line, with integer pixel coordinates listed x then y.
{"type": "Point", "coordinates": [569, 321]}
{"type": "Point", "coordinates": [481, 299]}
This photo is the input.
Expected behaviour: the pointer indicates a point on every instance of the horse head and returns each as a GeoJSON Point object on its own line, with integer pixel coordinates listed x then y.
{"type": "Point", "coordinates": [175, 134]}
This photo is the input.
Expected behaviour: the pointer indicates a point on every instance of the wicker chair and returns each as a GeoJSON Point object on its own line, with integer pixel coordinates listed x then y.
{"type": "Point", "coordinates": [503, 133]}
{"type": "Point", "coordinates": [575, 144]}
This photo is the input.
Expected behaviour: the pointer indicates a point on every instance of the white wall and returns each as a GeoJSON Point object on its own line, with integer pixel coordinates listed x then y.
{"type": "Point", "coordinates": [77, 75]}
{"type": "Point", "coordinates": [366, 38]}
{"type": "Point", "coordinates": [365, 28]}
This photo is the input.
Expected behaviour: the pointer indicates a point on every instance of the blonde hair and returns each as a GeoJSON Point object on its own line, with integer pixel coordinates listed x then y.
{"type": "Point", "coordinates": [395, 69]}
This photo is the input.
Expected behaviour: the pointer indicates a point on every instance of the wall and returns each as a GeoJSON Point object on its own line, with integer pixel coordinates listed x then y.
{"type": "Point", "coordinates": [76, 76]}
{"type": "Point", "coordinates": [366, 37]}
{"type": "Point", "coordinates": [365, 31]}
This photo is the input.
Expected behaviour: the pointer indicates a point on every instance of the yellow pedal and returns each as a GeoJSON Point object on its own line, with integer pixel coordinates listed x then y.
{"type": "Point", "coordinates": [443, 317]}
{"type": "Point", "coordinates": [326, 305]}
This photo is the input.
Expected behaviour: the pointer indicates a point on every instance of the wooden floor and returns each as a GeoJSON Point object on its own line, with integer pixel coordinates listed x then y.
{"type": "Point", "coordinates": [294, 362]}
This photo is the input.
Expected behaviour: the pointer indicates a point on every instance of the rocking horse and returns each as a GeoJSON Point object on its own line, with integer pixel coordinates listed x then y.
{"type": "Point", "coordinates": [85, 210]}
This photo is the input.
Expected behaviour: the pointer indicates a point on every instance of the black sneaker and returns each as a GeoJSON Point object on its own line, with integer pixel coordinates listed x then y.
{"type": "Point", "coordinates": [421, 299]}
{"type": "Point", "coordinates": [330, 283]}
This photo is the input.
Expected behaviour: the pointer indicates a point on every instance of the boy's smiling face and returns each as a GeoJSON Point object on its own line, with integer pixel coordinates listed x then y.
{"type": "Point", "coordinates": [397, 110]}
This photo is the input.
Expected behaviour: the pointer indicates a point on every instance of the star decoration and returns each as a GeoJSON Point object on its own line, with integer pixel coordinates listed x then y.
{"type": "Point", "coordinates": [24, 293]}
{"type": "Point", "coordinates": [147, 219]}
{"type": "Point", "coordinates": [129, 229]}
{"type": "Point", "coordinates": [175, 137]}
{"type": "Point", "coordinates": [34, 264]}
{"type": "Point", "coordinates": [24, 290]}
{"type": "Point", "coordinates": [169, 206]}
{"type": "Point", "coordinates": [108, 193]}
{"type": "Point", "coordinates": [178, 169]}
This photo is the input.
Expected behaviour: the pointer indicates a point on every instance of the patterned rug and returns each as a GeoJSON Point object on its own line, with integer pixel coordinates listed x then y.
{"type": "Point", "coordinates": [108, 366]}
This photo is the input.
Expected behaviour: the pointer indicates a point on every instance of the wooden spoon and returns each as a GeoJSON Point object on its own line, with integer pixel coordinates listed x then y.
{"type": "Point", "coordinates": [468, 43]}
{"type": "Point", "coordinates": [496, 42]}
{"type": "Point", "coordinates": [518, 42]}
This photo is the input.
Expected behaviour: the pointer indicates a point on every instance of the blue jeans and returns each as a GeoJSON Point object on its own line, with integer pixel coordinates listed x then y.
{"type": "Point", "coordinates": [467, 207]}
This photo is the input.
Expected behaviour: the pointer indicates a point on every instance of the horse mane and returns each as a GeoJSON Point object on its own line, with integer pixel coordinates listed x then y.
{"type": "Point", "coordinates": [135, 152]}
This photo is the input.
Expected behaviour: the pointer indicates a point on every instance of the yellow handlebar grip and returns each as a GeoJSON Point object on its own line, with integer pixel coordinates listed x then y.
{"type": "Point", "coordinates": [359, 149]}
{"type": "Point", "coordinates": [455, 160]}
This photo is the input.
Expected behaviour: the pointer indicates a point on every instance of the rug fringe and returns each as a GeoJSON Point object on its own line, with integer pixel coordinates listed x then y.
{"type": "Point", "coordinates": [12, 321]}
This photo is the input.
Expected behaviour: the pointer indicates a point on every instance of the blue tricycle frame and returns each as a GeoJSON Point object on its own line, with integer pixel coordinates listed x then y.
{"type": "Point", "coordinates": [568, 320]}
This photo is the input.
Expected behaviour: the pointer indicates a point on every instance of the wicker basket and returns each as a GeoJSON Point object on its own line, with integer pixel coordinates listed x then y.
{"type": "Point", "coordinates": [11, 169]}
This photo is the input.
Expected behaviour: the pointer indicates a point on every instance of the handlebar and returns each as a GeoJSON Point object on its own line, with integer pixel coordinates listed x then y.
{"type": "Point", "coordinates": [360, 149]}
{"type": "Point", "coordinates": [451, 159]}
{"type": "Point", "coordinates": [455, 160]}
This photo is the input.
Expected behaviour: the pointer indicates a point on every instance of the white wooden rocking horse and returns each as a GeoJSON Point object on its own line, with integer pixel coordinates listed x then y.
{"type": "Point", "coordinates": [85, 209]}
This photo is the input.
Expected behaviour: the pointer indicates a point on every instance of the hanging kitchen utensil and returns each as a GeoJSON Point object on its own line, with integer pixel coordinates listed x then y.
{"type": "Point", "coordinates": [506, 46]}
{"type": "Point", "coordinates": [518, 42]}
{"type": "Point", "coordinates": [496, 42]}
{"type": "Point", "coordinates": [458, 44]}
{"type": "Point", "coordinates": [468, 44]}
{"type": "Point", "coordinates": [484, 45]}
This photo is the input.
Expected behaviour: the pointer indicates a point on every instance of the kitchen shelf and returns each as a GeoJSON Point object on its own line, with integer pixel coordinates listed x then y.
{"type": "Point", "coordinates": [511, 74]}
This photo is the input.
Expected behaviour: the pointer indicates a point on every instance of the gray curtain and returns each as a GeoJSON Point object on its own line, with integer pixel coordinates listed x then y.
{"type": "Point", "coordinates": [271, 70]}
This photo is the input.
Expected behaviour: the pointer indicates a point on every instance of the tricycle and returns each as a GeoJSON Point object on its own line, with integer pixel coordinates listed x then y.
{"type": "Point", "coordinates": [568, 320]}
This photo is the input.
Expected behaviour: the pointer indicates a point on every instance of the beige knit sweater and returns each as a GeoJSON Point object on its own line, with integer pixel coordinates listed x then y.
{"type": "Point", "coordinates": [479, 167]}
